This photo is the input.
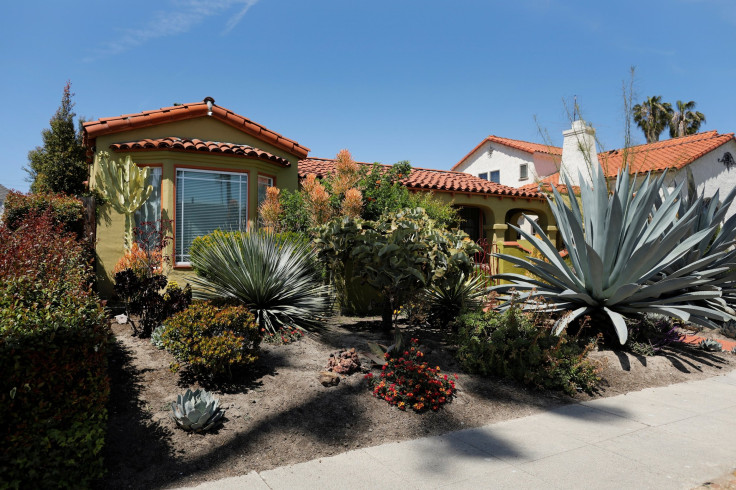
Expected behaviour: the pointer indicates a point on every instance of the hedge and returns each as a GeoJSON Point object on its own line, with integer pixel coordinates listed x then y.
{"type": "Point", "coordinates": [67, 211]}
{"type": "Point", "coordinates": [53, 356]}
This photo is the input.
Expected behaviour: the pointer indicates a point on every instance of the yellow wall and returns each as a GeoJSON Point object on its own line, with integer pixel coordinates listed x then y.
{"type": "Point", "coordinates": [110, 225]}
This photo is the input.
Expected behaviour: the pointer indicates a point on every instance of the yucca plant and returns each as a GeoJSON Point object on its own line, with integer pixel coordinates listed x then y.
{"type": "Point", "coordinates": [448, 297]}
{"type": "Point", "coordinates": [624, 249]}
{"type": "Point", "coordinates": [275, 277]}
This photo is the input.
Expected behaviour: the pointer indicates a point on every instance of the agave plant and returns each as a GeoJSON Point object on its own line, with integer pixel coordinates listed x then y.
{"type": "Point", "coordinates": [710, 212]}
{"type": "Point", "coordinates": [711, 345]}
{"type": "Point", "coordinates": [276, 278]}
{"type": "Point", "coordinates": [625, 249]}
{"type": "Point", "coordinates": [196, 411]}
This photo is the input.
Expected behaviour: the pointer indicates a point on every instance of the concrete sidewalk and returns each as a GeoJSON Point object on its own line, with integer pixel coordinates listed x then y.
{"type": "Point", "coordinates": [678, 436]}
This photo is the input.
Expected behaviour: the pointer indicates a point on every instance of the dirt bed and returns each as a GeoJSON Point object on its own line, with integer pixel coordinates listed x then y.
{"type": "Point", "coordinates": [282, 415]}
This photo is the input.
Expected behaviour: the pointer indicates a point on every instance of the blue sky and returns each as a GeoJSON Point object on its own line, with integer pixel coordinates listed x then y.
{"type": "Point", "coordinates": [423, 81]}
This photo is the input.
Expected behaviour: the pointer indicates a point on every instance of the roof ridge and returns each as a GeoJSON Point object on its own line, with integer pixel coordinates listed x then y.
{"type": "Point", "coordinates": [678, 140]}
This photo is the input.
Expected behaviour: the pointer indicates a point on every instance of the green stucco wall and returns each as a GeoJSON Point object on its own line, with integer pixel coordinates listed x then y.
{"type": "Point", "coordinates": [110, 224]}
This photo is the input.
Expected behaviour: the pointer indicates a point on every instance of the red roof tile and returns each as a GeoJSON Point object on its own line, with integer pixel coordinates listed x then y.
{"type": "Point", "coordinates": [673, 153]}
{"type": "Point", "coordinates": [196, 145]}
{"type": "Point", "coordinates": [545, 184]}
{"type": "Point", "coordinates": [428, 179]}
{"type": "Point", "coordinates": [93, 129]}
{"type": "Point", "coordinates": [518, 144]}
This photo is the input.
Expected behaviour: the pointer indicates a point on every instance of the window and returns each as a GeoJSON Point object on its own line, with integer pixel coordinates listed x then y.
{"type": "Point", "coordinates": [523, 171]}
{"type": "Point", "coordinates": [483, 176]}
{"type": "Point", "coordinates": [150, 211]}
{"type": "Point", "coordinates": [263, 184]}
{"type": "Point", "coordinates": [207, 201]}
{"type": "Point", "coordinates": [496, 176]}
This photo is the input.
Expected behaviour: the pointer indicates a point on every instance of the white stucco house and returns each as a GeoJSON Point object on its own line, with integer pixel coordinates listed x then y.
{"type": "Point", "coordinates": [709, 155]}
{"type": "Point", "coordinates": [3, 192]}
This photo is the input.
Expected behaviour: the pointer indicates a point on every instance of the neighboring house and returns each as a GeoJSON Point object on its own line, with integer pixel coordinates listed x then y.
{"type": "Point", "coordinates": [211, 168]}
{"type": "Point", "coordinates": [709, 155]}
{"type": "Point", "coordinates": [510, 162]}
{"type": "Point", "coordinates": [3, 192]}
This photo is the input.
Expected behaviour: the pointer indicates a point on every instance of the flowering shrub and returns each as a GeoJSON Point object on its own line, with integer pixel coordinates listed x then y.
{"type": "Point", "coordinates": [212, 340]}
{"type": "Point", "coordinates": [407, 382]}
{"type": "Point", "coordinates": [283, 335]}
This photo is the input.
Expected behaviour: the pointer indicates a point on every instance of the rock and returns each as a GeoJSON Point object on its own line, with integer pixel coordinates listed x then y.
{"type": "Point", "coordinates": [121, 319]}
{"type": "Point", "coordinates": [329, 379]}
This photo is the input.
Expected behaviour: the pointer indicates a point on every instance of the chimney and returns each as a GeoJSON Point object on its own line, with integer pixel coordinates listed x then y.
{"type": "Point", "coordinates": [579, 153]}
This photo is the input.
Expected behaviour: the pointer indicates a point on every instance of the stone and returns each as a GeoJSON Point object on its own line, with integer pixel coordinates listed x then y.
{"type": "Point", "coordinates": [121, 319]}
{"type": "Point", "coordinates": [329, 379]}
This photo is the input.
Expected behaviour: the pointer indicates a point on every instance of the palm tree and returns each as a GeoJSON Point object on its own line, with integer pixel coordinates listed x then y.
{"type": "Point", "coordinates": [652, 117]}
{"type": "Point", "coordinates": [685, 120]}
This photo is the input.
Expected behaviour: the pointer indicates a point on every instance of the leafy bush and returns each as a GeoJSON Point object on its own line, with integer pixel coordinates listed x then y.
{"type": "Point", "coordinates": [53, 356]}
{"type": "Point", "coordinates": [66, 211]}
{"type": "Point", "coordinates": [648, 334]}
{"type": "Point", "coordinates": [275, 276]}
{"type": "Point", "coordinates": [398, 255]}
{"type": "Point", "coordinates": [408, 382]}
{"type": "Point", "coordinates": [212, 340]}
{"type": "Point", "coordinates": [143, 296]}
{"type": "Point", "coordinates": [284, 335]}
{"type": "Point", "coordinates": [516, 345]}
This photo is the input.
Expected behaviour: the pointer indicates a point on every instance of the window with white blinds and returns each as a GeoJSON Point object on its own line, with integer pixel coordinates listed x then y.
{"type": "Point", "coordinates": [207, 201]}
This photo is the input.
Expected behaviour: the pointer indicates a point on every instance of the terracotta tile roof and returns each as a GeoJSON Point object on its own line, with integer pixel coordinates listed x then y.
{"type": "Point", "coordinates": [428, 179]}
{"type": "Point", "coordinates": [551, 180]}
{"type": "Point", "coordinates": [674, 153]}
{"type": "Point", "coordinates": [93, 129]}
{"type": "Point", "coordinates": [196, 145]}
{"type": "Point", "coordinates": [518, 144]}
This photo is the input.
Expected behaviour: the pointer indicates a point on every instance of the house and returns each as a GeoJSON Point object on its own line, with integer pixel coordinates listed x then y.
{"type": "Point", "coordinates": [3, 193]}
{"type": "Point", "coordinates": [211, 168]}
{"type": "Point", "coordinates": [709, 155]}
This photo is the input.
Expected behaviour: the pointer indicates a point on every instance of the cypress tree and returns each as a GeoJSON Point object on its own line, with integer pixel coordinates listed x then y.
{"type": "Point", "coordinates": [59, 165]}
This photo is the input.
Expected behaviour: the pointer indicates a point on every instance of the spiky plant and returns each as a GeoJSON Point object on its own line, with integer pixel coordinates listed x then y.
{"type": "Point", "coordinates": [275, 277]}
{"type": "Point", "coordinates": [709, 214]}
{"type": "Point", "coordinates": [196, 411]}
{"type": "Point", "coordinates": [711, 345]}
{"type": "Point", "coordinates": [623, 247]}
{"type": "Point", "coordinates": [448, 297]}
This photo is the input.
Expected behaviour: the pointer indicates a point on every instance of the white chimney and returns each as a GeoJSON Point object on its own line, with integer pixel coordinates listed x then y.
{"type": "Point", "coordinates": [579, 153]}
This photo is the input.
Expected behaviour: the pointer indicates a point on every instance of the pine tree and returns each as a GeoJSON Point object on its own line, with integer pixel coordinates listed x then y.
{"type": "Point", "coordinates": [59, 165]}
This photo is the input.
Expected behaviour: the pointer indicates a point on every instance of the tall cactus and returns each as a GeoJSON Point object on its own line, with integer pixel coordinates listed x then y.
{"type": "Point", "coordinates": [126, 186]}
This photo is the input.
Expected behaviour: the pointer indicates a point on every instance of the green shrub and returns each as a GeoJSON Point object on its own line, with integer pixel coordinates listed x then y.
{"type": "Point", "coordinates": [151, 297]}
{"type": "Point", "coordinates": [53, 359]}
{"type": "Point", "coordinates": [398, 255]}
{"type": "Point", "coordinates": [407, 381]}
{"type": "Point", "coordinates": [514, 344]}
{"type": "Point", "coordinates": [212, 340]}
{"type": "Point", "coordinates": [66, 211]}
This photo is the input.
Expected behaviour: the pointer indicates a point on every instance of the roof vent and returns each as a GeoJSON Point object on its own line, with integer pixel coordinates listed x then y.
{"type": "Point", "coordinates": [209, 101]}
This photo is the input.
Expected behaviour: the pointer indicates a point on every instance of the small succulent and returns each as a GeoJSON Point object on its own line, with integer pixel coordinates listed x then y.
{"type": "Point", "coordinates": [711, 345]}
{"type": "Point", "coordinates": [196, 411]}
{"type": "Point", "coordinates": [733, 351]}
{"type": "Point", "coordinates": [156, 338]}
